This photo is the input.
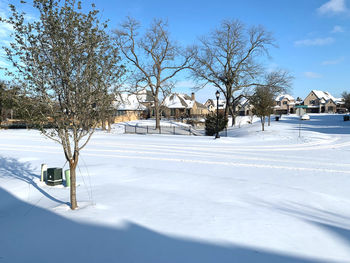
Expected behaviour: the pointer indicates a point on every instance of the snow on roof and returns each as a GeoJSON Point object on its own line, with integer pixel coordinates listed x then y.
{"type": "Point", "coordinates": [178, 101]}
{"type": "Point", "coordinates": [244, 102]}
{"type": "Point", "coordinates": [323, 95]}
{"type": "Point", "coordinates": [125, 101]}
{"type": "Point", "coordinates": [284, 96]}
{"type": "Point", "coordinates": [222, 104]}
{"type": "Point", "coordinates": [339, 100]}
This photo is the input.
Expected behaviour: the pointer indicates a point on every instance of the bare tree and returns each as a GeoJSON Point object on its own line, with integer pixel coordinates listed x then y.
{"type": "Point", "coordinates": [66, 63]}
{"type": "Point", "coordinates": [277, 82]}
{"type": "Point", "coordinates": [154, 59]}
{"type": "Point", "coordinates": [228, 58]}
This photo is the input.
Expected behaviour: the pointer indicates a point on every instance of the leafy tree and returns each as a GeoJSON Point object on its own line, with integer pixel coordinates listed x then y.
{"type": "Point", "coordinates": [263, 102]}
{"type": "Point", "coordinates": [8, 94]}
{"type": "Point", "coordinates": [3, 100]}
{"type": "Point", "coordinates": [210, 124]}
{"type": "Point", "coordinates": [66, 64]}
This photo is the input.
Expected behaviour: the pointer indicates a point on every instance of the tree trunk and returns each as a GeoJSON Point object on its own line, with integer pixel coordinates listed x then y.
{"type": "Point", "coordinates": [109, 124]}
{"type": "Point", "coordinates": [262, 123]}
{"type": "Point", "coordinates": [73, 185]}
{"type": "Point", "coordinates": [227, 108]}
{"type": "Point", "coordinates": [103, 124]}
{"type": "Point", "coordinates": [233, 115]}
{"type": "Point", "coordinates": [156, 113]}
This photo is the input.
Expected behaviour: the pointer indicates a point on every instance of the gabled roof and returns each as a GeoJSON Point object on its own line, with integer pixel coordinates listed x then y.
{"type": "Point", "coordinates": [200, 105]}
{"type": "Point", "coordinates": [126, 101]}
{"type": "Point", "coordinates": [323, 95]}
{"type": "Point", "coordinates": [340, 101]}
{"type": "Point", "coordinates": [243, 102]}
{"type": "Point", "coordinates": [284, 96]}
{"type": "Point", "coordinates": [180, 101]}
{"type": "Point", "coordinates": [145, 95]}
{"type": "Point", "coordinates": [222, 103]}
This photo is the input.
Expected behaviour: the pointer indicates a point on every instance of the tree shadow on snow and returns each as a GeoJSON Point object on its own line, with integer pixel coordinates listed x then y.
{"type": "Point", "coordinates": [12, 168]}
{"type": "Point", "coordinates": [44, 236]}
{"type": "Point", "coordinates": [330, 221]}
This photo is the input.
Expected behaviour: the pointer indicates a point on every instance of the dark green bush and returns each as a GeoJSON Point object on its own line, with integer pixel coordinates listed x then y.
{"type": "Point", "coordinates": [210, 124]}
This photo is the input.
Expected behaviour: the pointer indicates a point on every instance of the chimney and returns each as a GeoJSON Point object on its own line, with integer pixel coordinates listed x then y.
{"type": "Point", "coordinates": [193, 96]}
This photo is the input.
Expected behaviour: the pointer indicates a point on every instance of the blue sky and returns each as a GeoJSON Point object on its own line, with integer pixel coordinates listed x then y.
{"type": "Point", "coordinates": [313, 35]}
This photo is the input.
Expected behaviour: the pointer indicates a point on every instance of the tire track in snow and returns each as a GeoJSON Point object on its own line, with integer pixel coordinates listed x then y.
{"type": "Point", "coordinates": [221, 147]}
{"type": "Point", "coordinates": [179, 160]}
{"type": "Point", "coordinates": [234, 164]}
{"type": "Point", "coordinates": [195, 154]}
{"type": "Point", "coordinates": [321, 144]}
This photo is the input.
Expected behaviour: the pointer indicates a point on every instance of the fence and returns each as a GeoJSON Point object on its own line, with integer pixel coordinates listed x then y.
{"type": "Point", "coordinates": [174, 130]}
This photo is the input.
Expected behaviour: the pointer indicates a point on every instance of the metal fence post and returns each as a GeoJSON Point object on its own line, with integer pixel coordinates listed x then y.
{"type": "Point", "coordinates": [147, 129]}
{"type": "Point", "coordinates": [160, 130]}
{"type": "Point", "coordinates": [135, 129]}
{"type": "Point", "coordinates": [189, 130]}
{"type": "Point", "coordinates": [174, 129]}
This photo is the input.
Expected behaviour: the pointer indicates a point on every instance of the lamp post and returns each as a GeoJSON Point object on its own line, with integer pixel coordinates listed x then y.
{"type": "Point", "coordinates": [217, 94]}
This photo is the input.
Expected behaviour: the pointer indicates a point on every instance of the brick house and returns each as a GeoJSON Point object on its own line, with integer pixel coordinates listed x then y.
{"type": "Point", "coordinates": [131, 107]}
{"type": "Point", "coordinates": [284, 104]}
{"type": "Point", "coordinates": [178, 105]}
{"type": "Point", "coordinates": [243, 107]}
{"type": "Point", "coordinates": [212, 105]}
{"type": "Point", "coordinates": [321, 102]}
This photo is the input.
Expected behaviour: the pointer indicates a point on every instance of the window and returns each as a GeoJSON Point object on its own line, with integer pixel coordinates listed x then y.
{"type": "Point", "coordinates": [120, 113]}
{"type": "Point", "coordinates": [284, 102]}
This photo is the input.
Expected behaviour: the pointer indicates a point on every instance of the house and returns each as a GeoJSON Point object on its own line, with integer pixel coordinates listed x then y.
{"type": "Point", "coordinates": [178, 105]}
{"type": "Point", "coordinates": [284, 104]}
{"type": "Point", "coordinates": [132, 106]}
{"type": "Point", "coordinates": [341, 105]}
{"type": "Point", "coordinates": [244, 107]}
{"type": "Point", "coordinates": [212, 105]}
{"type": "Point", "coordinates": [321, 102]}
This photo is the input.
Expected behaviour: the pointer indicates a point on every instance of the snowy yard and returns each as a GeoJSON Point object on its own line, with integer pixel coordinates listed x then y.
{"type": "Point", "coordinates": [251, 197]}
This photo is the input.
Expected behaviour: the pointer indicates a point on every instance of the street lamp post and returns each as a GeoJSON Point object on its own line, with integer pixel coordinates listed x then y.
{"type": "Point", "coordinates": [217, 94]}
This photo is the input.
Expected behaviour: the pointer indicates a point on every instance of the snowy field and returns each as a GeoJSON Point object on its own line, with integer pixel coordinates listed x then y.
{"type": "Point", "coordinates": [251, 197]}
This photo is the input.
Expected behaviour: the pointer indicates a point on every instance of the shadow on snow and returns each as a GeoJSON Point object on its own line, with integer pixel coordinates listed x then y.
{"type": "Point", "coordinates": [43, 236]}
{"type": "Point", "coordinates": [327, 124]}
{"type": "Point", "coordinates": [12, 168]}
{"type": "Point", "coordinates": [33, 234]}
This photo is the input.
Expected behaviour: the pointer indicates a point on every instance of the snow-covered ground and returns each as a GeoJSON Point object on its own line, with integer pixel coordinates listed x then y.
{"type": "Point", "coordinates": [251, 197]}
